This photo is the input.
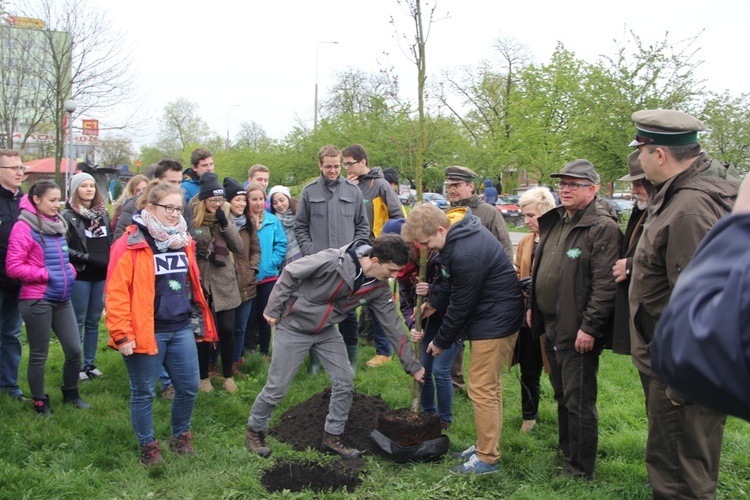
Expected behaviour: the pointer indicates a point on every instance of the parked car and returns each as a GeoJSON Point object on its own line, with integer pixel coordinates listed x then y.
{"type": "Point", "coordinates": [436, 199]}
{"type": "Point", "coordinates": [406, 200]}
{"type": "Point", "coordinates": [621, 205]}
{"type": "Point", "coordinates": [508, 207]}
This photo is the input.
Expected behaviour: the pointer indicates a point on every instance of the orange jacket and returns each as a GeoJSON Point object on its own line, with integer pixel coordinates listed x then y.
{"type": "Point", "coordinates": [130, 289]}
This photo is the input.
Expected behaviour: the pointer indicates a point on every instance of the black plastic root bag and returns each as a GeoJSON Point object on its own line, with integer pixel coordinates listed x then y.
{"type": "Point", "coordinates": [423, 452]}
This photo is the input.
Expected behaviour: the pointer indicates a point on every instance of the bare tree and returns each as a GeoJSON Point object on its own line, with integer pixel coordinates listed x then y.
{"type": "Point", "coordinates": [181, 128]}
{"type": "Point", "coordinates": [115, 150]}
{"type": "Point", "coordinates": [356, 92]}
{"type": "Point", "coordinates": [252, 136]}
{"type": "Point", "coordinates": [82, 57]}
{"type": "Point", "coordinates": [416, 46]}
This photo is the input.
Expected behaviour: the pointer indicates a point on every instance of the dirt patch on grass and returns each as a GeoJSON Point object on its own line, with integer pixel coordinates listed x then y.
{"type": "Point", "coordinates": [302, 476]}
{"type": "Point", "coordinates": [302, 426]}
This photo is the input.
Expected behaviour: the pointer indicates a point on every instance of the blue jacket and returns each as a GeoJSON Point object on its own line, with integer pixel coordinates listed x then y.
{"type": "Point", "coordinates": [272, 247]}
{"type": "Point", "coordinates": [702, 342]}
{"type": "Point", "coordinates": [190, 184]}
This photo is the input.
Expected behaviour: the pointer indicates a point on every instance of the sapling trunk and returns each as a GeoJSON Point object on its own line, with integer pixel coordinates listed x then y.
{"type": "Point", "coordinates": [416, 392]}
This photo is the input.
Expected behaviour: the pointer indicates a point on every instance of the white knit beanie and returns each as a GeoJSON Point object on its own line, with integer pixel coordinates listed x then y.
{"type": "Point", "coordinates": [279, 189]}
{"type": "Point", "coordinates": [76, 181]}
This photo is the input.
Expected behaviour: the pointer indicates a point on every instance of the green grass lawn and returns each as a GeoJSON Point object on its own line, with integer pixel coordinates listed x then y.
{"type": "Point", "coordinates": [94, 453]}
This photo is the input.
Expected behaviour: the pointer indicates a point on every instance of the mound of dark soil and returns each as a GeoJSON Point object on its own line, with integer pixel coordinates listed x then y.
{"type": "Point", "coordinates": [299, 476]}
{"type": "Point", "coordinates": [407, 428]}
{"type": "Point", "coordinates": [302, 426]}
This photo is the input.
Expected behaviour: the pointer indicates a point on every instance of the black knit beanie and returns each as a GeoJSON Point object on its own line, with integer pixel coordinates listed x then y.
{"type": "Point", "coordinates": [233, 188]}
{"type": "Point", "coordinates": [209, 186]}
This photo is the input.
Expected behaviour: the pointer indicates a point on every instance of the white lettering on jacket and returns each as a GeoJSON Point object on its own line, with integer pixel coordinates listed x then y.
{"type": "Point", "coordinates": [170, 262]}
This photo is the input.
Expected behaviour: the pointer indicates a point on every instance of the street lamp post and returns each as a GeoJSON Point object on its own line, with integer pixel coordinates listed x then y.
{"type": "Point", "coordinates": [70, 107]}
{"type": "Point", "coordinates": [228, 108]}
{"type": "Point", "coordinates": [317, 49]}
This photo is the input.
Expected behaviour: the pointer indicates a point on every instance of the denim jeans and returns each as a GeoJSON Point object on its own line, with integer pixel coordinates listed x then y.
{"type": "Point", "coordinates": [88, 303]}
{"type": "Point", "coordinates": [382, 346]}
{"type": "Point", "coordinates": [439, 369]}
{"type": "Point", "coordinates": [349, 328]}
{"type": "Point", "coordinates": [179, 355]}
{"type": "Point", "coordinates": [241, 317]}
{"type": "Point", "coordinates": [10, 342]}
{"type": "Point", "coordinates": [258, 332]}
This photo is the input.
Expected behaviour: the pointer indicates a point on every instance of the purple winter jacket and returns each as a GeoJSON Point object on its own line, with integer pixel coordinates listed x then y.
{"type": "Point", "coordinates": [39, 262]}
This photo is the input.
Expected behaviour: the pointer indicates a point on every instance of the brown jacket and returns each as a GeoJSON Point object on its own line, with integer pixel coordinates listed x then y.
{"type": "Point", "coordinates": [219, 282]}
{"type": "Point", "coordinates": [586, 287]}
{"type": "Point", "coordinates": [682, 211]}
{"type": "Point", "coordinates": [246, 262]}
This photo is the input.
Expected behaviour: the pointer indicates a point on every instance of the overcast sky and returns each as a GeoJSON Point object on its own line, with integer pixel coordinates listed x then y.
{"type": "Point", "coordinates": [256, 60]}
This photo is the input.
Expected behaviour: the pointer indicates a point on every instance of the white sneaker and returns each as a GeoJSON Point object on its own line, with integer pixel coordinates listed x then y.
{"type": "Point", "coordinates": [93, 372]}
{"type": "Point", "coordinates": [82, 375]}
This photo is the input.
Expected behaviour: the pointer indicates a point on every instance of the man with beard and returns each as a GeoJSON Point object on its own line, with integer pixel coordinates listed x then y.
{"type": "Point", "coordinates": [640, 190]}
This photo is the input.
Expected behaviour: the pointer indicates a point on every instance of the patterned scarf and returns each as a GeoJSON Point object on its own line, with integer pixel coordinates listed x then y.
{"type": "Point", "coordinates": [293, 251]}
{"type": "Point", "coordinates": [166, 237]}
{"type": "Point", "coordinates": [94, 214]}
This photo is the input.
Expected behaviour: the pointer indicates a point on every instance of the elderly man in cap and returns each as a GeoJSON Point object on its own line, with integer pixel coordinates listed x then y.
{"type": "Point", "coordinates": [641, 191]}
{"type": "Point", "coordinates": [692, 192]}
{"type": "Point", "coordinates": [572, 302]}
{"type": "Point", "coordinates": [461, 193]}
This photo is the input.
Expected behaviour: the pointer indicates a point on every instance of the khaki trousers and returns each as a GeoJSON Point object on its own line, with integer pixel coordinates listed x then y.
{"type": "Point", "coordinates": [485, 391]}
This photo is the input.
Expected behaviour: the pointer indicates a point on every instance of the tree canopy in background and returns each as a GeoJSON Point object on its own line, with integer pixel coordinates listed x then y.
{"type": "Point", "coordinates": [499, 117]}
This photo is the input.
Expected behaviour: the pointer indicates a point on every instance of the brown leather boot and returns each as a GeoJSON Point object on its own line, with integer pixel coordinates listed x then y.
{"type": "Point", "coordinates": [236, 372]}
{"type": "Point", "coordinates": [151, 454]}
{"type": "Point", "coordinates": [333, 444]}
{"type": "Point", "coordinates": [181, 444]}
{"type": "Point", "coordinates": [256, 443]}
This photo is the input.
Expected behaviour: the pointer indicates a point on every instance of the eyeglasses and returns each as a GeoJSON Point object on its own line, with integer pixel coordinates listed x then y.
{"type": "Point", "coordinates": [331, 167]}
{"type": "Point", "coordinates": [169, 208]}
{"type": "Point", "coordinates": [350, 163]}
{"type": "Point", "coordinates": [21, 168]}
{"type": "Point", "coordinates": [216, 201]}
{"type": "Point", "coordinates": [573, 186]}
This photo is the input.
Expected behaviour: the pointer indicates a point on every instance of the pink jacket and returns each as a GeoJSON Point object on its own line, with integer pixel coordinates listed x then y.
{"type": "Point", "coordinates": [40, 262]}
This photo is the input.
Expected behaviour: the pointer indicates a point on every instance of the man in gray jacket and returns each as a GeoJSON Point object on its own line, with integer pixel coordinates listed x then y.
{"type": "Point", "coordinates": [310, 297]}
{"type": "Point", "coordinates": [331, 213]}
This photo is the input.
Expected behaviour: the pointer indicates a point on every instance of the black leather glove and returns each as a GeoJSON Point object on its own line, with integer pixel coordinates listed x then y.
{"type": "Point", "coordinates": [222, 218]}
